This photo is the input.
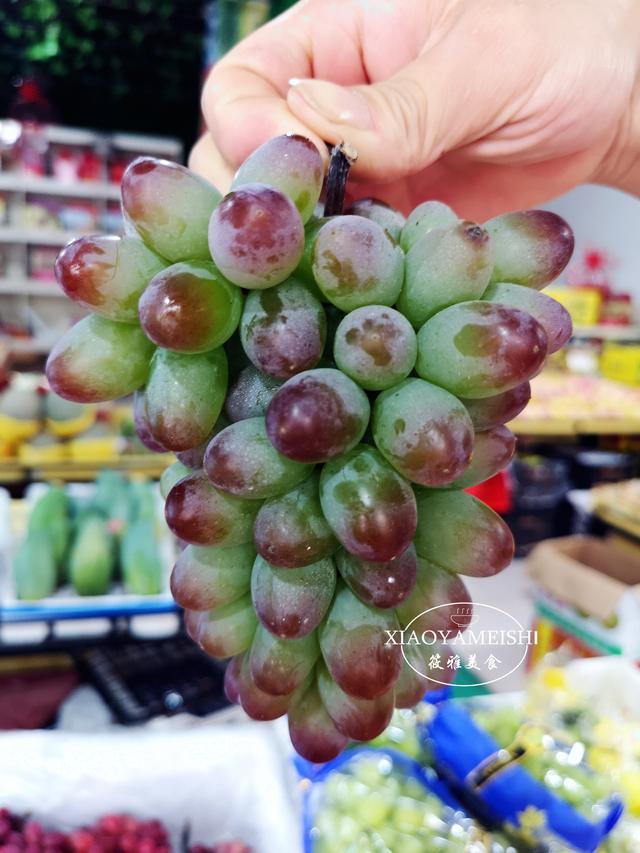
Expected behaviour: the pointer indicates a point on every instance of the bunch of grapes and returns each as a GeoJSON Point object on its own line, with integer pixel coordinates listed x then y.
{"type": "Point", "coordinates": [330, 385]}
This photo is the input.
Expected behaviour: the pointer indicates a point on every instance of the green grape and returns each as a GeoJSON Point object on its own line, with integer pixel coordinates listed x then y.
{"type": "Point", "coordinates": [184, 396]}
{"type": "Point", "coordinates": [201, 515]}
{"type": "Point", "coordinates": [194, 457]}
{"type": "Point", "coordinates": [290, 531]}
{"type": "Point", "coordinates": [207, 578]}
{"type": "Point", "coordinates": [172, 475]}
{"type": "Point", "coordinates": [225, 631]}
{"type": "Point", "coordinates": [283, 329]}
{"type": "Point", "coordinates": [242, 461]}
{"type": "Point", "coordinates": [359, 719]}
{"type": "Point", "coordinates": [434, 586]}
{"type": "Point", "coordinates": [141, 423]}
{"type": "Point", "coordinates": [291, 603]}
{"type": "Point", "coordinates": [190, 307]}
{"type": "Point", "coordinates": [448, 265]}
{"type": "Point", "coordinates": [311, 729]}
{"type": "Point", "coordinates": [376, 346]}
{"type": "Point", "coordinates": [304, 271]}
{"type": "Point", "coordinates": [355, 263]}
{"type": "Point", "coordinates": [256, 236]}
{"type": "Point", "coordinates": [462, 534]}
{"type": "Point", "coordinates": [477, 349]}
{"type": "Point", "coordinates": [250, 394]}
{"type": "Point", "coordinates": [170, 207]}
{"type": "Point", "coordinates": [370, 508]}
{"type": "Point", "coordinates": [424, 218]}
{"type": "Point", "coordinates": [99, 360]}
{"type": "Point", "coordinates": [289, 163]}
{"type": "Point", "coordinates": [493, 449]}
{"type": "Point", "coordinates": [494, 411]}
{"type": "Point", "coordinates": [279, 667]}
{"type": "Point", "coordinates": [255, 702]}
{"type": "Point", "coordinates": [532, 247]}
{"type": "Point", "coordinates": [552, 316]}
{"type": "Point", "coordinates": [107, 274]}
{"type": "Point", "coordinates": [424, 432]}
{"type": "Point", "coordinates": [353, 644]}
{"type": "Point", "coordinates": [378, 211]}
{"type": "Point", "coordinates": [379, 584]}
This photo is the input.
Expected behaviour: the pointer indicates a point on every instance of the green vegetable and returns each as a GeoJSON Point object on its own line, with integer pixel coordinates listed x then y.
{"type": "Point", "coordinates": [50, 515]}
{"type": "Point", "coordinates": [141, 564]}
{"type": "Point", "coordinates": [34, 567]}
{"type": "Point", "coordinates": [92, 559]}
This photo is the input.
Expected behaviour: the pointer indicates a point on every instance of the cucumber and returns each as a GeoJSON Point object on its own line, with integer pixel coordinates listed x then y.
{"type": "Point", "coordinates": [140, 560]}
{"type": "Point", "coordinates": [92, 559]}
{"type": "Point", "coordinates": [34, 567]}
{"type": "Point", "coordinates": [51, 514]}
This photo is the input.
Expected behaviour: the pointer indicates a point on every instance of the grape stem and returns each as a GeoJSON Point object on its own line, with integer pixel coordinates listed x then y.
{"type": "Point", "coordinates": [342, 158]}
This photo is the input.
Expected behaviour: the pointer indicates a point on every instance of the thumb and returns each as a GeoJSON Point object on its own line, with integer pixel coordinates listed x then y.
{"type": "Point", "coordinates": [393, 124]}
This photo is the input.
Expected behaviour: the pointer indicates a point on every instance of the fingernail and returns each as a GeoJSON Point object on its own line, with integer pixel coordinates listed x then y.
{"type": "Point", "coordinates": [336, 103]}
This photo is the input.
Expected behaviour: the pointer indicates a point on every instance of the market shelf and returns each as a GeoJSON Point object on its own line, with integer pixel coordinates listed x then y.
{"type": "Point", "coordinates": [21, 286]}
{"type": "Point", "coordinates": [18, 182]}
{"type": "Point", "coordinates": [577, 426]}
{"type": "Point", "coordinates": [609, 333]}
{"type": "Point", "coordinates": [75, 470]}
{"type": "Point", "coordinates": [50, 613]}
{"type": "Point", "coordinates": [9, 234]}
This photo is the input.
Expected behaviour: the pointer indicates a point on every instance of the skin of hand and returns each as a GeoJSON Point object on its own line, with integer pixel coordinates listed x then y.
{"type": "Point", "coordinates": [488, 105]}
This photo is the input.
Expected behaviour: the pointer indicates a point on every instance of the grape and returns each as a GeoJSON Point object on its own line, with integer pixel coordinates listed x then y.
{"type": "Point", "coordinates": [279, 667]}
{"type": "Point", "coordinates": [552, 316]}
{"type": "Point", "coordinates": [290, 531]}
{"type": "Point", "coordinates": [283, 329]}
{"type": "Point", "coordinates": [379, 211]}
{"type": "Point", "coordinates": [107, 274]}
{"type": "Point", "coordinates": [304, 270]}
{"type": "Point", "coordinates": [424, 218]}
{"type": "Point", "coordinates": [353, 644]}
{"type": "Point", "coordinates": [141, 423]}
{"type": "Point", "coordinates": [194, 457]}
{"type": "Point", "coordinates": [242, 461]}
{"type": "Point", "coordinates": [255, 702]}
{"type": "Point", "coordinates": [434, 586]}
{"type": "Point", "coordinates": [99, 360]}
{"type": "Point", "coordinates": [410, 687]}
{"type": "Point", "coordinates": [202, 515]}
{"type": "Point", "coordinates": [317, 415]}
{"type": "Point", "coordinates": [206, 578]}
{"type": "Point", "coordinates": [355, 263]}
{"type": "Point", "coordinates": [232, 679]}
{"type": "Point", "coordinates": [170, 207]}
{"type": "Point", "coordinates": [476, 349]}
{"type": "Point", "coordinates": [370, 508]}
{"type": "Point", "coordinates": [448, 265]}
{"type": "Point", "coordinates": [493, 449]}
{"type": "Point", "coordinates": [311, 729]}
{"type": "Point", "coordinates": [376, 346]}
{"type": "Point", "coordinates": [490, 412]}
{"type": "Point", "coordinates": [291, 603]}
{"type": "Point", "coordinates": [532, 247]}
{"type": "Point", "coordinates": [256, 236]}
{"type": "Point", "coordinates": [189, 307]}
{"type": "Point", "coordinates": [360, 719]}
{"type": "Point", "coordinates": [225, 631]}
{"type": "Point", "coordinates": [250, 394]}
{"type": "Point", "coordinates": [462, 534]}
{"type": "Point", "coordinates": [172, 475]}
{"type": "Point", "coordinates": [289, 163]}
{"type": "Point", "coordinates": [379, 584]}
{"type": "Point", "coordinates": [184, 396]}
{"type": "Point", "coordinates": [424, 432]}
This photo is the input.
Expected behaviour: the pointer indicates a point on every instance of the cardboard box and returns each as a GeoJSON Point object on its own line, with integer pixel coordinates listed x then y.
{"type": "Point", "coordinates": [590, 588]}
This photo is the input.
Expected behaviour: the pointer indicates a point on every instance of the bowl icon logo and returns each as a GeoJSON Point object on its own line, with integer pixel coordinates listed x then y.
{"type": "Point", "coordinates": [464, 617]}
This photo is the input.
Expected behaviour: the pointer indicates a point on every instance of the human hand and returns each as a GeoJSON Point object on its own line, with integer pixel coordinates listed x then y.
{"type": "Point", "coordinates": [488, 105]}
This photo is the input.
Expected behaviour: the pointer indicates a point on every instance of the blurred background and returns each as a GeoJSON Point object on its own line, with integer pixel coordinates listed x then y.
{"type": "Point", "coordinates": [85, 88]}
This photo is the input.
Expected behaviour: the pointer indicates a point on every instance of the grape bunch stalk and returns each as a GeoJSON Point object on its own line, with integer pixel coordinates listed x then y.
{"type": "Point", "coordinates": [330, 384]}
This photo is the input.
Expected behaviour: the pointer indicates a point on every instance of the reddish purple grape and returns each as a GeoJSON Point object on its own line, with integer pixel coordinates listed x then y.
{"type": "Point", "coordinates": [359, 719]}
{"type": "Point", "coordinates": [256, 236]}
{"type": "Point", "coordinates": [413, 682]}
{"type": "Point", "coordinates": [232, 679]}
{"type": "Point", "coordinates": [141, 423]}
{"type": "Point", "coordinates": [190, 307]}
{"type": "Point", "coordinates": [225, 631]}
{"type": "Point", "coordinates": [200, 514]}
{"type": "Point", "coordinates": [255, 702]}
{"type": "Point", "coordinates": [250, 394]}
{"type": "Point", "coordinates": [434, 587]}
{"type": "Point", "coordinates": [370, 508]}
{"type": "Point", "coordinates": [311, 729]}
{"type": "Point", "coordinates": [462, 534]}
{"type": "Point", "coordinates": [317, 415]}
{"type": "Point", "coordinates": [291, 603]}
{"type": "Point", "coordinates": [423, 431]}
{"type": "Point", "coordinates": [379, 584]}
{"type": "Point", "coordinates": [379, 211]}
{"type": "Point", "coordinates": [552, 316]}
{"type": "Point", "coordinates": [206, 578]}
{"type": "Point", "coordinates": [490, 412]}
{"type": "Point", "coordinates": [353, 640]}
{"type": "Point", "coordinates": [242, 461]}
{"type": "Point", "coordinates": [194, 457]}
{"type": "Point", "coordinates": [279, 667]}
{"type": "Point", "coordinates": [290, 531]}
{"type": "Point", "coordinates": [493, 449]}
{"type": "Point", "coordinates": [283, 329]}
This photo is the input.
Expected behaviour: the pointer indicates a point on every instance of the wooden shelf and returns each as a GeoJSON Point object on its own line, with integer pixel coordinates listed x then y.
{"type": "Point", "coordinates": [577, 426]}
